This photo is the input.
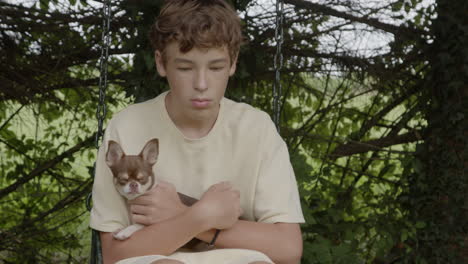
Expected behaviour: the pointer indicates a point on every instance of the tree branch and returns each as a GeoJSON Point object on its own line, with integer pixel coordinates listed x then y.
{"type": "Point", "coordinates": [45, 166]}
{"type": "Point", "coordinates": [11, 117]}
{"type": "Point", "coordinates": [396, 30]}
{"type": "Point", "coordinates": [355, 147]}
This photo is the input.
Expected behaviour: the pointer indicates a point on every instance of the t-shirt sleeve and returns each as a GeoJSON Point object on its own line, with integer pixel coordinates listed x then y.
{"type": "Point", "coordinates": [276, 195]}
{"type": "Point", "coordinates": [109, 211]}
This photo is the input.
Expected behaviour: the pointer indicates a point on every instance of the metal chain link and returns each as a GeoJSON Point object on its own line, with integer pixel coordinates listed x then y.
{"type": "Point", "coordinates": [101, 106]}
{"type": "Point", "coordinates": [278, 63]}
{"type": "Point", "coordinates": [96, 251]}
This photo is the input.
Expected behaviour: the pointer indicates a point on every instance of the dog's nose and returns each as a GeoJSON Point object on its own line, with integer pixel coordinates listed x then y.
{"type": "Point", "coordinates": [133, 185]}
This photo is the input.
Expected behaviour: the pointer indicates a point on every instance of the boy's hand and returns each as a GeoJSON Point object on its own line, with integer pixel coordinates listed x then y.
{"type": "Point", "coordinates": [158, 204]}
{"type": "Point", "coordinates": [220, 206]}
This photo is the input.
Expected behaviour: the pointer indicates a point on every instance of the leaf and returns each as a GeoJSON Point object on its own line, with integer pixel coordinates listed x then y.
{"type": "Point", "coordinates": [44, 4]}
{"type": "Point", "coordinates": [387, 169]}
{"type": "Point", "coordinates": [420, 225]}
{"type": "Point", "coordinates": [397, 5]}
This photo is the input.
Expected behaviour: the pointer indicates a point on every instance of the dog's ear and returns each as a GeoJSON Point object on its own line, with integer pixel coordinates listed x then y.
{"type": "Point", "coordinates": [150, 151]}
{"type": "Point", "coordinates": [114, 153]}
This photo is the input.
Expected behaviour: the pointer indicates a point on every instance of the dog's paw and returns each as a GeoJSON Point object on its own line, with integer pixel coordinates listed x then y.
{"type": "Point", "coordinates": [116, 231]}
{"type": "Point", "coordinates": [125, 233]}
{"type": "Point", "coordinates": [121, 234]}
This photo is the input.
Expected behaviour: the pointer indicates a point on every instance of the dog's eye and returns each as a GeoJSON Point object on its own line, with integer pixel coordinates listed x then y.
{"type": "Point", "coordinates": [140, 176]}
{"type": "Point", "coordinates": [123, 181]}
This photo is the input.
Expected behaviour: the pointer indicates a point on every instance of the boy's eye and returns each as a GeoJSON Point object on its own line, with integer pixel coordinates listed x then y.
{"type": "Point", "coordinates": [216, 68]}
{"type": "Point", "coordinates": [184, 69]}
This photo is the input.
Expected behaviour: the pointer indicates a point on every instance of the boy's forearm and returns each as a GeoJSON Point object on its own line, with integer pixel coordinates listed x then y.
{"type": "Point", "coordinates": [163, 238]}
{"type": "Point", "coordinates": [281, 242]}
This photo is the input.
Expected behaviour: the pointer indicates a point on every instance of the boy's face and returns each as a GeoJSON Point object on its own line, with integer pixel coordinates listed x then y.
{"type": "Point", "coordinates": [197, 79]}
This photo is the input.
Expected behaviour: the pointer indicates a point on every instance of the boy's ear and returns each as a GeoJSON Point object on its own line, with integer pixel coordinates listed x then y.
{"type": "Point", "coordinates": [232, 70]}
{"type": "Point", "coordinates": [150, 151]}
{"type": "Point", "coordinates": [160, 67]}
{"type": "Point", "coordinates": [114, 153]}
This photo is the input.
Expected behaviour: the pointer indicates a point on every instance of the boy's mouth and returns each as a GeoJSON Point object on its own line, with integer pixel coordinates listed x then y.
{"type": "Point", "coordinates": [200, 103]}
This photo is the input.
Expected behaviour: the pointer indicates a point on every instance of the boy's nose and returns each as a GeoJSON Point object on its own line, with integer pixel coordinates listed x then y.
{"type": "Point", "coordinates": [200, 82]}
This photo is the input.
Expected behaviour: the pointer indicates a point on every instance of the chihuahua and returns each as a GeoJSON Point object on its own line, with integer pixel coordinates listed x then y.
{"type": "Point", "coordinates": [133, 176]}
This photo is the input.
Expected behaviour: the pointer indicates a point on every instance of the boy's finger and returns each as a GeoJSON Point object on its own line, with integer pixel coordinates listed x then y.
{"type": "Point", "coordinates": [140, 219]}
{"type": "Point", "coordinates": [163, 183]}
{"type": "Point", "coordinates": [142, 200]}
{"type": "Point", "coordinates": [224, 185]}
{"type": "Point", "coordinates": [166, 186]}
{"type": "Point", "coordinates": [139, 209]}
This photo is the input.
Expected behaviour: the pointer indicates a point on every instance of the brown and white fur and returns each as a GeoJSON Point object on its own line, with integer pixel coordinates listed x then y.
{"type": "Point", "coordinates": [133, 176]}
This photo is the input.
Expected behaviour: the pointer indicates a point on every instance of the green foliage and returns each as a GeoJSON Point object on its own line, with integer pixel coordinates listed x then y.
{"type": "Point", "coordinates": [437, 193]}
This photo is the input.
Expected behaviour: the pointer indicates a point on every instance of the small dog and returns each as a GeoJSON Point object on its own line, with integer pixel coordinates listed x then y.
{"type": "Point", "coordinates": [133, 176]}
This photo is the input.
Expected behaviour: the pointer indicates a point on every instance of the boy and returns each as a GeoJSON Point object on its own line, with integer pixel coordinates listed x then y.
{"type": "Point", "coordinates": [224, 153]}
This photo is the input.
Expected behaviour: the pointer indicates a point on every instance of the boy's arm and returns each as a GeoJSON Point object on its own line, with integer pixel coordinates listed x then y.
{"type": "Point", "coordinates": [162, 238]}
{"type": "Point", "coordinates": [282, 242]}
{"type": "Point", "coordinates": [219, 208]}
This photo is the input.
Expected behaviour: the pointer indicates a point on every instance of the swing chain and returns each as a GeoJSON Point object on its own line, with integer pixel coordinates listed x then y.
{"type": "Point", "coordinates": [96, 251]}
{"type": "Point", "coordinates": [278, 63]}
{"type": "Point", "coordinates": [101, 108]}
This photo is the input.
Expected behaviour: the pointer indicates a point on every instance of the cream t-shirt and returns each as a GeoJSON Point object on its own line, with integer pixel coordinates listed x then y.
{"type": "Point", "coordinates": [243, 147]}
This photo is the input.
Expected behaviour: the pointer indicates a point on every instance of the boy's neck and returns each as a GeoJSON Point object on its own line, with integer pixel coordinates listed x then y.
{"type": "Point", "coordinates": [192, 126]}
